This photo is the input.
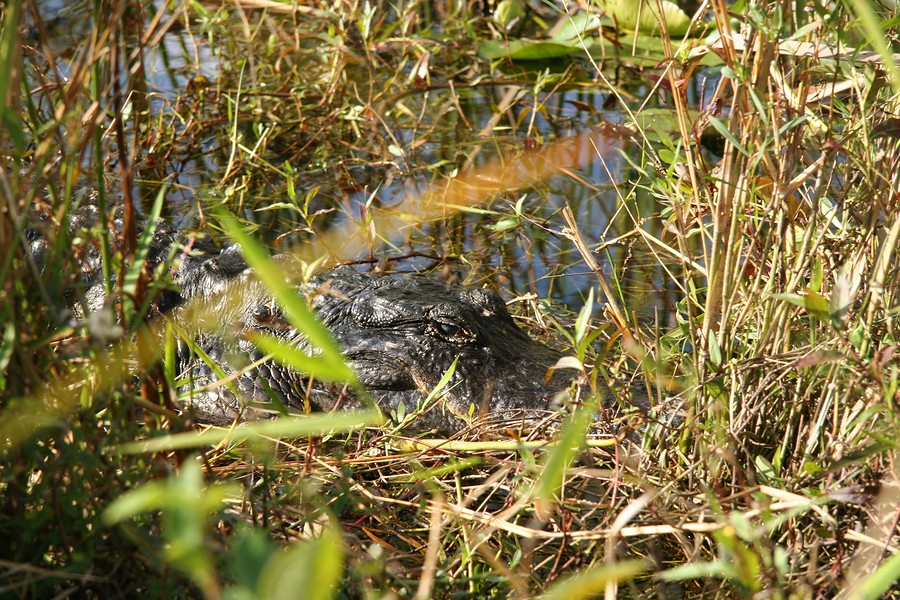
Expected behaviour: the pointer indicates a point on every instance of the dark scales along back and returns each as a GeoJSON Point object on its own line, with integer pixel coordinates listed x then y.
{"type": "Point", "coordinates": [399, 334]}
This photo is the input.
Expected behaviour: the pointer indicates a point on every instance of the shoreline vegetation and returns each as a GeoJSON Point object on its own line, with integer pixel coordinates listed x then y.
{"type": "Point", "coordinates": [701, 200]}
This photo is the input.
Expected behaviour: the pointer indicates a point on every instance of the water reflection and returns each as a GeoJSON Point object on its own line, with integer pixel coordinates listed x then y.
{"type": "Point", "coordinates": [498, 217]}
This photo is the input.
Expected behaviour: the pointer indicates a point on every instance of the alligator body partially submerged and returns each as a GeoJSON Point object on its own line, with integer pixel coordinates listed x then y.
{"type": "Point", "coordinates": [400, 336]}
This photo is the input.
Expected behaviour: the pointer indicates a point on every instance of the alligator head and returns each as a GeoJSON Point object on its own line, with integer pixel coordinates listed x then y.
{"type": "Point", "coordinates": [400, 335]}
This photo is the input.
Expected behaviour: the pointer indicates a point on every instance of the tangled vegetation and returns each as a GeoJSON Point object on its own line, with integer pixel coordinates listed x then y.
{"type": "Point", "coordinates": [724, 181]}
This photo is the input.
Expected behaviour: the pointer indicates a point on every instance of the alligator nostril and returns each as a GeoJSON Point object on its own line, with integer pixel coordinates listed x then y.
{"type": "Point", "coordinates": [268, 316]}
{"type": "Point", "coordinates": [262, 314]}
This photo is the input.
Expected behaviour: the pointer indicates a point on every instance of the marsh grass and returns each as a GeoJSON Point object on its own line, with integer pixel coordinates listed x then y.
{"type": "Point", "coordinates": [778, 477]}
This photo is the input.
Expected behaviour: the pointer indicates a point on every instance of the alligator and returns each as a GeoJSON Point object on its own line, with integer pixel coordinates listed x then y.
{"type": "Point", "coordinates": [400, 335]}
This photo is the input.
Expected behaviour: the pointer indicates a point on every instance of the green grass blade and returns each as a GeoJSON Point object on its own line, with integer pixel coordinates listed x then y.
{"type": "Point", "coordinates": [133, 274]}
{"type": "Point", "coordinates": [591, 583]}
{"type": "Point", "coordinates": [880, 582]}
{"type": "Point", "coordinates": [290, 355]}
{"type": "Point", "coordinates": [571, 441]}
{"type": "Point", "coordinates": [871, 24]}
{"type": "Point", "coordinates": [295, 308]}
{"type": "Point", "coordinates": [318, 424]}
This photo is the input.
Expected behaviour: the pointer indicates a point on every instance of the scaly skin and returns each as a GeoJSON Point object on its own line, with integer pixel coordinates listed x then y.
{"type": "Point", "coordinates": [400, 336]}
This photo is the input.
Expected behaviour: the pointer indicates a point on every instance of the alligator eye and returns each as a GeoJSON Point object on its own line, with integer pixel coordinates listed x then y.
{"type": "Point", "coordinates": [449, 329]}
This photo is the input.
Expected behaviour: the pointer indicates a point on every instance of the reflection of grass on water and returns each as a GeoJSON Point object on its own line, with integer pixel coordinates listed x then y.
{"type": "Point", "coordinates": [778, 350]}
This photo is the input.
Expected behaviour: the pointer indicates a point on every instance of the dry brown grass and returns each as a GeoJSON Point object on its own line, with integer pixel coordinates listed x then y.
{"type": "Point", "coordinates": [779, 481]}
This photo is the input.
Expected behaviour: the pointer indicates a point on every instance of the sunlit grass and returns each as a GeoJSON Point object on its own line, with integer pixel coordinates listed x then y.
{"type": "Point", "coordinates": [764, 466]}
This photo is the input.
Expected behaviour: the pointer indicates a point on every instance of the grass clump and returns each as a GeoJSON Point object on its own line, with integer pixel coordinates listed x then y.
{"type": "Point", "coordinates": [734, 202]}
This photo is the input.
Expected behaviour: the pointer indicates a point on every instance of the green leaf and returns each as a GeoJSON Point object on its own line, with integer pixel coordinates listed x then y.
{"type": "Point", "coordinates": [765, 469]}
{"type": "Point", "coordinates": [445, 379]}
{"type": "Point", "coordinates": [558, 459]}
{"type": "Point", "coordinates": [878, 583]}
{"type": "Point", "coordinates": [817, 275]}
{"type": "Point", "coordinates": [503, 224]}
{"type": "Point", "coordinates": [584, 318]}
{"type": "Point", "coordinates": [9, 43]}
{"type": "Point", "coordinates": [718, 569]}
{"type": "Point", "coordinates": [644, 15]}
{"type": "Point", "coordinates": [7, 343]}
{"type": "Point", "coordinates": [308, 569]}
{"type": "Point", "coordinates": [278, 206]}
{"type": "Point", "coordinates": [578, 27]}
{"type": "Point", "coordinates": [527, 49]}
{"type": "Point", "coordinates": [817, 305]}
{"type": "Point", "coordinates": [795, 299]}
{"type": "Point", "coordinates": [590, 583]}
{"type": "Point", "coordinates": [186, 503]}
{"type": "Point", "coordinates": [300, 426]}
{"type": "Point", "coordinates": [813, 302]}
{"type": "Point", "coordinates": [13, 126]}
{"type": "Point", "coordinates": [251, 549]}
{"type": "Point", "coordinates": [455, 466]}
{"type": "Point", "coordinates": [875, 35]}
{"type": "Point", "coordinates": [568, 362]}
{"type": "Point", "coordinates": [811, 468]}
{"type": "Point", "coordinates": [715, 353]}
{"type": "Point", "coordinates": [147, 497]}
{"type": "Point", "coordinates": [719, 126]}
{"type": "Point", "coordinates": [295, 308]}
{"type": "Point", "coordinates": [858, 336]}
{"type": "Point", "coordinates": [292, 356]}
{"type": "Point", "coordinates": [508, 12]}
{"type": "Point", "coordinates": [133, 274]}
{"type": "Point", "coordinates": [659, 124]}
{"type": "Point", "coordinates": [646, 51]}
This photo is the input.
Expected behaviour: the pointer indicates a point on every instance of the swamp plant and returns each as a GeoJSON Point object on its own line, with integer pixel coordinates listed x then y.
{"type": "Point", "coordinates": [701, 204]}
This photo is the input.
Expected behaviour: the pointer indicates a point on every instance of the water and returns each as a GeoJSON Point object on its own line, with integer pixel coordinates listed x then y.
{"type": "Point", "coordinates": [416, 141]}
